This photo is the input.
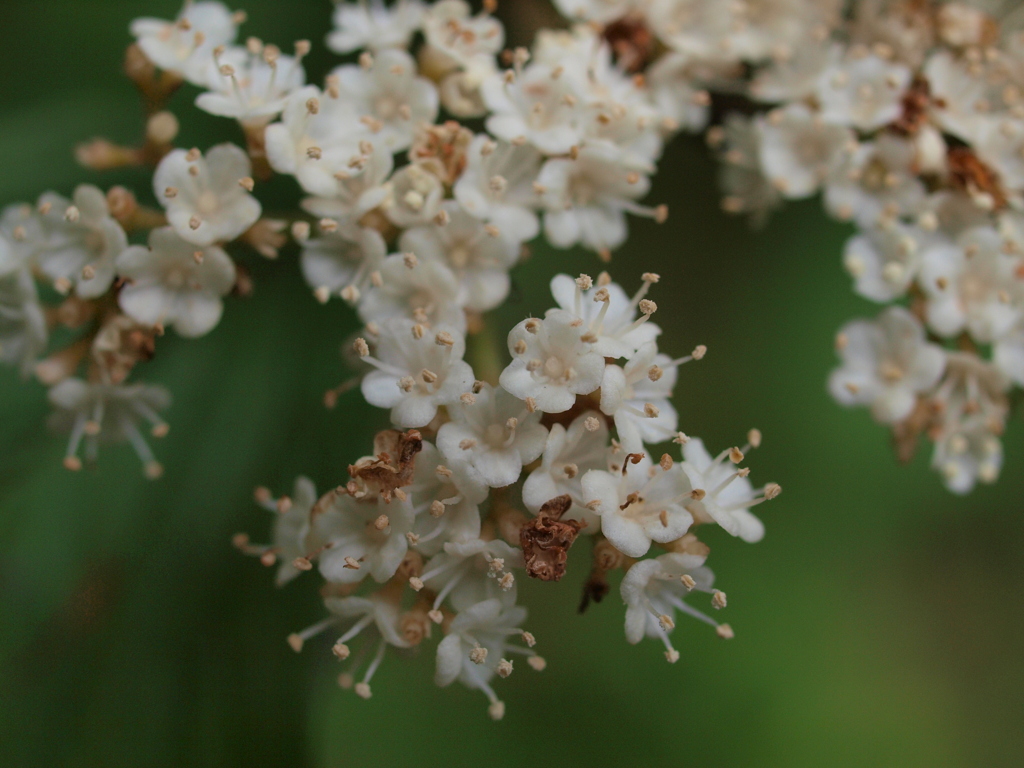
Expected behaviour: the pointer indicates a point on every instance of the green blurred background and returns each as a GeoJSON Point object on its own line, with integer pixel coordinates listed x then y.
{"type": "Point", "coordinates": [879, 623]}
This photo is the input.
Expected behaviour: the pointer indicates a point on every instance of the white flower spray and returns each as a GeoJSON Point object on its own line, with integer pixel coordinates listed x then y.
{"type": "Point", "coordinates": [415, 220]}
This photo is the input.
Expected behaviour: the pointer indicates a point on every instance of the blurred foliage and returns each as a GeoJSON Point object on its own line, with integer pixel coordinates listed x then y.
{"type": "Point", "coordinates": [879, 623]}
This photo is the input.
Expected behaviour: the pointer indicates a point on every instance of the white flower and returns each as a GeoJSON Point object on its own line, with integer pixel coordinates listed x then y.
{"type": "Point", "coordinates": [586, 199]}
{"type": "Point", "coordinates": [1001, 145]}
{"type": "Point", "coordinates": [380, 610]}
{"type": "Point", "coordinates": [746, 188]}
{"type": "Point", "coordinates": [445, 501]}
{"type": "Point", "coordinates": [495, 434]}
{"type": "Point", "coordinates": [318, 136]}
{"type": "Point", "coordinates": [23, 331]}
{"type": "Point", "coordinates": [973, 285]}
{"type": "Point", "coordinates": [653, 590]}
{"type": "Point", "coordinates": [416, 196]}
{"type": "Point", "coordinates": [174, 283]}
{"type": "Point", "coordinates": [374, 25]}
{"type": "Point", "coordinates": [497, 186]}
{"type": "Point", "coordinates": [469, 571]}
{"type": "Point", "coordinates": [109, 413]}
{"type": "Point", "coordinates": [722, 493]}
{"type": "Point", "coordinates": [879, 177]}
{"type": "Point", "coordinates": [608, 313]}
{"type": "Point", "coordinates": [355, 188]}
{"type": "Point", "coordinates": [886, 364]}
{"type": "Point", "coordinates": [477, 254]}
{"type": "Point", "coordinates": [959, 95]}
{"type": "Point", "coordinates": [456, 38]}
{"type": "Point", "coordinates": [799, 150]}
{"type": "Point", "coordinates": [21, 236]}
{"type": "Point", "coordinates": [80, 242]}
{"type": "Point", "coordinates": [794, 75]}
{"type": "Point", "coordinates": [641, 504]}
{"type": "Point", "coordinates": [884, 261]}
{"type": "Point", "coordinates": [343, 257]}
{"type": "Point", "coordinates": [568, 455]}
{"type": "Point", "coordinates": [484, 626]}
{"type": "Point", "coordinates": [1008, 354]}
{"type": "Point", "coordinates": [185, 46]}
{"type": "Point", "coordinates": [676, 94]}
{"type": "Point", "coordinates": [252, 84]}
{"type": "Point", "coordinates": [968, 453]}
{"type": "Point", "coordinates": [864, 91]}
{"type": "Point", "coordinates": [357, 537]}
{"type": "Point", "coordinates": [637, 396]}
{"type": "Point", "coordinates": [290, 529]}
{"type": "Point", "coordinates": [205, 197]}
{"type": "Point", "coordinates": [389, 97]}
{"type": "Point", "coordinates": [416, 372]}
{"type": "Point", "coordinates": [601, 11]}
{"type": "Point", "coordinates": [427, 292]}
{"type": "Point", "coordinates": [553, 361]}
{"type": "Point", "coordinates": [539, 106]}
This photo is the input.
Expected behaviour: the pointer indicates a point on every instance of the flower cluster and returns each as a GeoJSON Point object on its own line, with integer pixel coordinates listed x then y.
{"type": "Point", "coordinates": [908, 118]}
{"type": "Point", "coordinates": [428, 162]}
{"type": "Point", "coordinates": [418, 221]}
{"type": "Point", "coordinates": [480, 480]}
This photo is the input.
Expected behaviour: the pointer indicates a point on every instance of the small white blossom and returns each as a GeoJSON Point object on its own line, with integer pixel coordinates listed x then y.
{"type": "Point", "coordinates": [487, 626]}
{"type": "Point", "coordinates": [497, 186]}
{"type": "Point", "coordinates": [799, 150]}
{"type": "Point", "coordinates": [608, 313]}
{"type": "Point", "coordinates": [457, 38]}
{"type": "Point", "coordinates": [357, 538]}
{"type": "Point", "coordinates": [426, 292]}
{"type": "Point", "coordinates": [638, 396]}
{"type": "Point", "coordinates": [317, 138]}
{"type": "Point", "coordinates": [344, 257]}
{"type": "Point", "coordinates": [494, 433]}
{"type": "Point", "coordinates": [722, 492]}
{"type": "Point", "coordinates": [80, 241]}
{"type": "Point", "coordinates": [586, 199]}
{"type": "Point", "coordinates": [887, 363]}
{"type": "Point", "coordinates": [878, 178]}
{"type": "Point", "coordinates": [95, 412]}
{"type": "Point", "coordinates": [203, 196]}
{"type": "Point", "coordinates": [290, 529]}
{"type": "Point", "coordinates": [355, 186]}
{"type": "Point", "coordinates": [479, 257]}
{"type": "Point", "coordinates": [389, 98]}
{"type": "Point", "coordinates": [415, 198]}
{"type": "Point", "coordinates": [973, 285]}
{"type": "Point", "coordinates": [373, 25]}
{"type": "Point", "coordinates": [642, 504]}
{"type": "Point", "coordinates": [173, 283]}
{"type": "Point", "coordinates": [23, 331]}
{"type": "Point", "coordinates": [967, 454]}
{"type": "Point", "coordinates": [185, 46]}
{"type": "Point", "coordinates": [1001, 145]}
{"type": "Point", "coordinates": [884, 261]}
{"type": "Point", "coordinates": [457, 489]}
{"type": "Point", "coordinates": [863, 91]}
{"type": "Point", "coordinates": [552, 361]}
{"type": "Point", "coordinates": [416, 374]}
{"type": "Point", "coordinates": [568, 455]}
{"type": "Point", "coordinates": [538, 107]}
{"type": "Point", "coordinates": [653, 590]}
{"type": "Point", "coordinates": [251, 84]}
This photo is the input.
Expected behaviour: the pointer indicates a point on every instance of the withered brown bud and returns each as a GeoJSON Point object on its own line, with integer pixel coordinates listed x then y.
{"type": "Point", "coordinates": [392, 464]}
{"type": "Point", "coordinates": [969, 173]}
{"type": "Point", "coordinates": [546, 540]}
